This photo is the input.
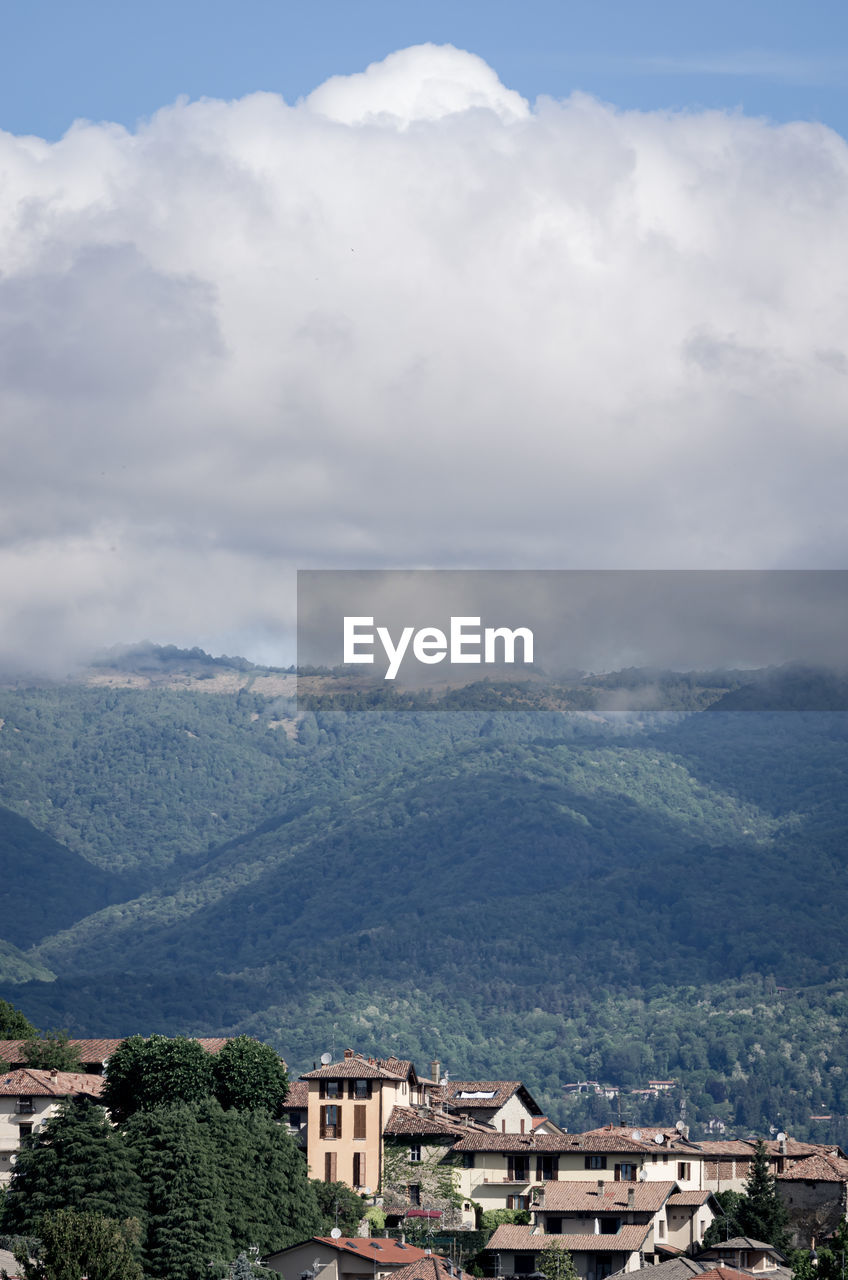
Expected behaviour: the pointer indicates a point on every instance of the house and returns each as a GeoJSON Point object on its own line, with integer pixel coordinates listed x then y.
{"type": "Point", "coordinates": [347, 1258]}
{"type": "Point", "coordinates": [678, 1220]}
{"type": "Point", "coordinates": [504, 1104]}
{"type": "Point", "coordinates": [348, 1105]}
{"type": "Point", "coordinates": [515, 1251]}
{"type": "Point", "coordinates": [433, 1267]}
{"type": "Point", "coordinates": [815, 1192]}
{"type": "Point", "coordinates": [745, 1254]}
{"type": "Point", "coordinates": [420, 1169]}
{"type": "Point", "coordinates": [28, 1097]}
{"type": "Point", "coordinates": [295, 1109]}
{"type": "Point", "coordinates": [727, 1162]}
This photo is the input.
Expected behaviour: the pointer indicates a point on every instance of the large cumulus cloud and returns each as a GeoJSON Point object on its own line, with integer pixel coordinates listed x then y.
{"type": "Point", "coordinates": [411, 320]}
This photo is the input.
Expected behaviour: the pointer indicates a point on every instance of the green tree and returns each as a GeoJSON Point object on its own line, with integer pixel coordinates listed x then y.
{"type": "Point", "coordinates": [13, 1024]}
{"type": "Point", "coordinates": [245, 1269]}
{"type": "Point", "coordinates": [556, 1263]}
{"type": "Point", "coordinates": [761, 1214]}
{"type": "Point", "coordinates": [271, 1201]}
{"type": "Point", "coordinates": [726, 1225]}
{"type": "Point", "coordinates": [51, 1051]}
{"type": "Point", "coordinates": [187, 1210]}
{"type": "Point", "coordinates": [75, 1160]}
{"type": "Point", "coordinates": [82, 1246]}
{"type": "Point", "coordinates": [143, 1074]}
{"type": "Point", "coordinates": [249, 1075]}
{"type": "Point", "coordinates": [340, 1207]}
{"type": "Point", "coordinates": [828, 1263]}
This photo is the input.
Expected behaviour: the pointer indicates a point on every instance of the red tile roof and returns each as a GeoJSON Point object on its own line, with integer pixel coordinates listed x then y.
{"type": "Point", "coordinates": [583, 1197]}
{"type": "Point", "coordinates": [406, 1120]}
{"type": "Point", "coordinates": [686, 1199]}
{"type": "Point", "coordinates": [486, 1094]}
{"type": "Point", "coordinates": [386, 1251]}
{"type": "Point", "coordinates": [816, 1168]}
{"type": "Point", "coordinates": [648, 1136]}
{"type": "Point", "coordinates": [29, 1082]}
{"type": "Point", "coordinates": [430, 1268]}
{"type": "Point", "coordinates": [11, 1051]}
{"type": "Point", "coordinates": [359, 1068]}
{"type": "Point", "coordinates": [577, 1143]}
{"type": "Point", "coordinates": [297, 1097]}
{"type": "Point", "coordinates": [511, 1238]}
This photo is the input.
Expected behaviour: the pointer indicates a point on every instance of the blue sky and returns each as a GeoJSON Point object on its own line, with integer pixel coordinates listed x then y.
{"type": "Point", "coordinates": [122, 60]}
{"type": "Point", "coordinates": [517, 296]}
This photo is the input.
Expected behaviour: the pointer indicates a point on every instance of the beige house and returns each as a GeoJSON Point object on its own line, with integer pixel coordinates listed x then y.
{"type": "Point", "coordinates": [348, 1258]}
{"type": "Point", "coordinates": [503, 1104]}
{"type": "Point", "coordinates": [28, 1097]}
{"type": "Point", "coordinates": [678, 1220]}
{"type": "Point", "coordinates": [515, 1251]}
{"type": "Point", "coordinates": [348, 1105]}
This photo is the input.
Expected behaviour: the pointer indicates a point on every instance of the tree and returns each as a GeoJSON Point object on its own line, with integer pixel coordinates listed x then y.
{"type": "Point", "coordinates": [82, 1246]}
{"type": "Point", "coordinates": [51, 1052]}
{"type": "Point", "coordinates": [75, 1160]}
{"type": "Point", "coordinates": [187, 1209]}
{"type": "Point", "coordinates": [339, 1206]}
{"type": "Point", "coordinates": [249, 1075]}
{"type": "Point", "coordinates": [13, 1024]}
{"type": "Point", "coordinates": [271, 1201]}
{"type": "Point", "coordinates": [761, 1213]}
{"type": "Point", "coordinates": [556, 1263]}
{"type": "Point", "coordinates": [244, 1269]}
{"type": "Point", "coordinates": [143, 1074]}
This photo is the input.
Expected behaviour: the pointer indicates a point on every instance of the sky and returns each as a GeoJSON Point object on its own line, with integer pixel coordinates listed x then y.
{"type": "Point", "coordinates": [363, 285]}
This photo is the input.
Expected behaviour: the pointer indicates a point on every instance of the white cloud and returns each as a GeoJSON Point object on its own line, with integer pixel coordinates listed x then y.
{"type": "Point", "coordinates": [408, 321]}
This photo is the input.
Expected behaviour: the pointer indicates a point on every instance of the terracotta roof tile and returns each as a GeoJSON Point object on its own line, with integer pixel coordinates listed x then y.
{"type": "Point", "coordinates": [430, 1268]}
{"type": "Point", "coordinates": [582, 1197]}
{"type": "Point", "coordinates": [385, 1251]}
{"type": "Point", "coordinates": [11, 1051]}
{"type": "Point", "coordinates": [297, 1096]}
{"type": "Point", "coordinates": [406, 1120]}
{"type": "Point", "coordinates": [816, 1168]}
{"type": "Point", "coordinates": [352, 1068]}
{"type": "Point", "coordinates": [29, 1082]}
{"type": "Point", "coordinates": [542, 1142]}
{"type": "Point", "coordinates": [684, 1199]}
{"type": "Point", "coordinates": [627, 1240]}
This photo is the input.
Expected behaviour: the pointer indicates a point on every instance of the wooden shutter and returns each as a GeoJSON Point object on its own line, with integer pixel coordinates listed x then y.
{"type": "Point", "coordinates": [554, 1168]}
{"type": "Point", "coordinates": [359, 1122]}
{"type": "Point", "coordinates": [359, 1178]}
{"type": "Point", "coordinates": [330, 1166]}
{"type": "Point", "coordinates": [510, 1171]}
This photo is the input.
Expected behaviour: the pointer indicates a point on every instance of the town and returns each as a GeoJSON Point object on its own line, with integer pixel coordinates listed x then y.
{"type": "Point", "coordinates": [473, 1169]}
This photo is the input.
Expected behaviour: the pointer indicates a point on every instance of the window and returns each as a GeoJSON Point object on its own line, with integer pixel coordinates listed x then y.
{"type": "Point", "coordinates": [604, 1267]}
{"type": "Point", "coordinates": [24, 1106]}
{"type": "Point", "coordinates": [547, 1168]}
{"type": "Point", "coordinates": [360, 1088]}
{"type": "Point", "coordinates": [610, 1226]}
{"type": "Point", "coordinates": [468, 1159]}
{"type": "Point", "coordinates": [524, 1264]}
{"type": "Point", "coordinates": [684, 1169]}
{"type": "Point", "coordinates": [331, 1122]}
{"type": "Point", "coordinates": [24, 1132]}
{"type": "Point", "coordinates": [518, 1169]}
{"type": "Point", "coordinates": [595, 1162]}
{"type": "Point", "coordinates": [553, 1226]}
{"type": "Point", "coordinates": [415, 1153]}
{"type": "Point", "coordinates": [625, 1173]}
{"type": "Point", "coordinates": [661, 1230]}
{"type": "Point", "coordinates": [414, 1192]}
{"type": "Point", "coordinates": [359, 1169]}
{"type": "Point", "coordinates": [518, 1202]}
{"type": "Point", "coordinates": [359, 1122]}
{"type": "Point", "coordinates": [330, 1166]}
{"type": "Point", "coordinates": [331, 1089]}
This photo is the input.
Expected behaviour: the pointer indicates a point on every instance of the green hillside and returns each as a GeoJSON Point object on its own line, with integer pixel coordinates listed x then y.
{"type": "Point", "coordinates": [532, 892]}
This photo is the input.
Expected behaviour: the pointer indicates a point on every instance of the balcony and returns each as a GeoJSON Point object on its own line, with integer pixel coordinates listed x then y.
{"type": "Point", "coordinates": [25, 1107]}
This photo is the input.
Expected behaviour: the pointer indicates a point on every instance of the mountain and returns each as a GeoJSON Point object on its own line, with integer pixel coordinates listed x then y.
{"type": "Point", "coordinates": [512, 885]}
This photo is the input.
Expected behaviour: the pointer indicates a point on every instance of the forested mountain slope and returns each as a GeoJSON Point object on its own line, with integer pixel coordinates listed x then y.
{"type": "Point", "coordinates": [530, 892]}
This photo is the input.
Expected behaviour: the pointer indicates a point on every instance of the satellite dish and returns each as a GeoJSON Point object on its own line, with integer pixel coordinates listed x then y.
{"type": "Point", "coordinates": [326, 1059]}
{"type": "Point", "coordinates": [643, 1175]}
{"type": "Point", "coordinates": [366, 1191]}
{"type": "Point", "coordinates": [680, 1126]}
{"type": "Point", "coordinates": [659, 1139]}
{"type": "Point", "coordinates": [636, 1135]}
{"type": "Point", "coordinates": [781, 1137]}
{"type": "Point", "coordinates": [336, 1233]}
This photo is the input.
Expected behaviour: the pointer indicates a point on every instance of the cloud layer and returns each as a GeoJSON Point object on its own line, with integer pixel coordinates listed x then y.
{"type": "Point", "coordinates": [411, 320]}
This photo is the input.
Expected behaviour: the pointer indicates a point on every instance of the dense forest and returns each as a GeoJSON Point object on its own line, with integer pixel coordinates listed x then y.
{"type": "Point", "coordinates": [512, 879]}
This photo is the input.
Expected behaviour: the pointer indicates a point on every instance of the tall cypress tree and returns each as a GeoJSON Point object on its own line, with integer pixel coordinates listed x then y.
{"type": "Point", "coordinates": [761, 1213]}
{"type": "Point", "coordinates": [75, 1160]}
{"type": "Point", "coordinates": [187, 1209]}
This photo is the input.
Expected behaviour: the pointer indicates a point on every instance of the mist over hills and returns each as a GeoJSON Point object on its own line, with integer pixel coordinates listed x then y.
{"type": "Point", "coordinates": [513, 885]}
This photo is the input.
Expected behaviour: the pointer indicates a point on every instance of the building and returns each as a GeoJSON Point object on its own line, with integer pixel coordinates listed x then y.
{"type": "Point", "coordinates": [93, 1054]}
{"type": "Point", "coordinates": [28, 1097]}
{"type": "Point", "coordinates": [348, 1258]}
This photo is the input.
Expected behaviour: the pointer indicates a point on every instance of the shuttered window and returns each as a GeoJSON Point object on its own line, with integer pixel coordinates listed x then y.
{"type": "Point", "coordinates": [330, 1167]}
{"type": "Point", "coordinates": [359, 1122]}
{"type": "Point", "coordinates": [359, 1178]}
{"type": "Point", "coordinates": [331, 1122]}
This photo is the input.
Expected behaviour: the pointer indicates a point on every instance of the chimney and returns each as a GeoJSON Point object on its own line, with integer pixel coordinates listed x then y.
{"type": "Point", "coordinates": [436, 1070]}
{"type": "Point", "coordinates": [783, 1146]}
{"type": "Point", "coordinates": [631, 1198]}
{"type": "Point", "coordinates": [600, 1186]}
{"type": "Point", "coordinates": [54, 1074]}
